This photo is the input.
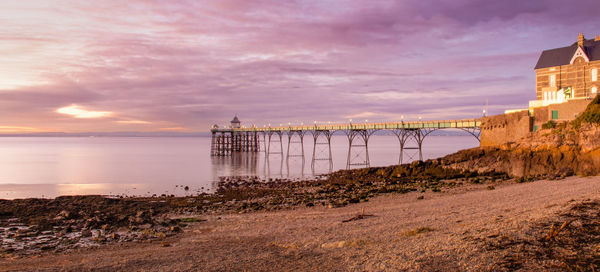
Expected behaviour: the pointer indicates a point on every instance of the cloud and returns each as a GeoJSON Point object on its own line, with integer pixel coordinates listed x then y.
{"type": "Point", "coordinates": [79, 112]}
{"type": "Point", "coordinates": [13, 129]}
{"type": "Point", "coordinates": [135, 122]}
{"type": "Point", "coordinates": [185, 65]}
{"type": "Point", "coordinates": [179, 129]}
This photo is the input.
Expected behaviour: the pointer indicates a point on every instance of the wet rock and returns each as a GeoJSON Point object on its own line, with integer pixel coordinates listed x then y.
{"type": "Point", "coordinates": [48, 247]}
{"type": "Point", "coordinates": [86, 233]}
{"type": "Point", "coordinates": [64, 214]}
{"type": "Point", "coordinates": [145, 226]}
{"type": "Point", "coordinates": [99, 239]}
{"type": "Point", "coordinates": [114, 236]}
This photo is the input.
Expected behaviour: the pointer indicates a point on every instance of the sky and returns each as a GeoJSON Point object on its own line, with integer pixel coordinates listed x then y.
{"type": "Point", "coordinates": [182, 66]}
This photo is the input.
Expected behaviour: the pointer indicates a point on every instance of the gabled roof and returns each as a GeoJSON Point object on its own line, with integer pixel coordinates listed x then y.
{"type": "Point", "coordinates": [563, 55]}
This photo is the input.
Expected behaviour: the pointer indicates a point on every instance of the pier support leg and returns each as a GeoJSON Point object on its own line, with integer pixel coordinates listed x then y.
{"type": "Point", "coordinates": [275, 140]}
{"type": "Point", "coordinates": [417, 136]}
{"type": "Point", "coordinates": [295, 144]}
{"type": "Point", "coordinates": [264, 134]}
{"type": "Point", "coordinates": [358, 140]}
{"type": "Point", "coordinates": [213, 141]}
{"type": "Point", "coordinates": [322, 149]}
{"type": "Point", "coordinates": [476, 132]}
{"type": "Point", "coordinates": [295, 149]}
{"type": "Point", "coordinates": [402, 135]}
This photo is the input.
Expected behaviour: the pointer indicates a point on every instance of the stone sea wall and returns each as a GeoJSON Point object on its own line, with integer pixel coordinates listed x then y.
{"type": "Point", "coordinates": [500, 129]}
{"type": "Point", "coordinates": [513, 127]}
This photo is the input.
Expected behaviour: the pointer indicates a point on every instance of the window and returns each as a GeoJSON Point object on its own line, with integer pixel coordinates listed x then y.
{"type": "Point", "coordinates": [594, 90]}
{"type": "Point", "coordinates": [552, 80]}
{"type": "Point", "coordinates": [594, 74]}
{"type": "Point", "coordinates": [554, 114]}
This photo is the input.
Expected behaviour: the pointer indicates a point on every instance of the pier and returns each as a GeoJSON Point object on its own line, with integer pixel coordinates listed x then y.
{"type": "Point", "coordinates": [237, 138]}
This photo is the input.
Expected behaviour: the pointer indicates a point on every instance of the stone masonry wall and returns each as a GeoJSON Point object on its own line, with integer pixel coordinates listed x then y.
{"type": "Point", "coordinates": [500, 129]}
{"type": "Point", "coordinates": [566, 111]}
{"type": "Point", "coordinates": [506, 128]}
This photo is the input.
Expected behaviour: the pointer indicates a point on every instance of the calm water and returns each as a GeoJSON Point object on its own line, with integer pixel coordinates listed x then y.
{"type": "Point", "coordinates": [49, 167]}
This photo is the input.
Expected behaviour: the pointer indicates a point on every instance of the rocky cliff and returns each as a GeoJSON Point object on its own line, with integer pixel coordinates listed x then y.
{"type": "Point", "coordinates": [569, 148]}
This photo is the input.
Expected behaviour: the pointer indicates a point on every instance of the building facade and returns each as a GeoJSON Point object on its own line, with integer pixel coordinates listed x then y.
{"type": "Point", "coordinates": [567, 73]}
{"type": "Point", "coordinates": [566, 80]}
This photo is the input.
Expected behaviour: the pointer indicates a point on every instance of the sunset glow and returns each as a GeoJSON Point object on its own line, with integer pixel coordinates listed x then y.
{"type": "Point", "coordinates": [152, 65]}
{"type": "Point", "coordinates": [9, 129]}
{"type": "Point", "coordinates": [78, 112]}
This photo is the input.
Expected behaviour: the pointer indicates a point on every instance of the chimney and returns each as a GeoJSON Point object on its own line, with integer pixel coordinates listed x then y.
{"type": "Point", "coordinates": [580, 40]}
{"type": "Point", "coordinates": [597, 38]}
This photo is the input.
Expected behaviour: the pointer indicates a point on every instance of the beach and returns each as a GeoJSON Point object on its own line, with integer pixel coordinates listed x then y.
{"type": "Point", "coordinates": [455, 229]}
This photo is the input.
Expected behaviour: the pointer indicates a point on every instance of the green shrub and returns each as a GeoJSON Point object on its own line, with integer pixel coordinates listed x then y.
{"type": "Point", "coordinates": [590, 115]}
{"type": "Point", "coordinates": [550, 124]}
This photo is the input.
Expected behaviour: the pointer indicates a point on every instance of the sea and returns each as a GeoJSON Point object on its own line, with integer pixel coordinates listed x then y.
{"type": "Point", "coordinates": [47, 167]}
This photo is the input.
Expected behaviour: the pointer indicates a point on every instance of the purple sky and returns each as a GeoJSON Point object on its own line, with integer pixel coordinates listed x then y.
{"type": "Point", "coordinates": [108, 65]}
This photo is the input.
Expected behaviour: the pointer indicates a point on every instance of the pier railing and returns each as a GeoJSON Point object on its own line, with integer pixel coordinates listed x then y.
{"type": "Point", "coordinates": [463, 123]}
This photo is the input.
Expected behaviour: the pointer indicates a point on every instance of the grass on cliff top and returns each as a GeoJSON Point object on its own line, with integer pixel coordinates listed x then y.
{"type": "Point", "coordinates": [590, 115]}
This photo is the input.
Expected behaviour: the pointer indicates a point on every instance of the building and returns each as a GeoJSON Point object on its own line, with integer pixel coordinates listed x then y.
{"type": "Point", "coordinates": [566, 79]}
{"type": "Point", "coordinates": [567, 73]}
{"type": "Point", "coordinates": [235, 123]}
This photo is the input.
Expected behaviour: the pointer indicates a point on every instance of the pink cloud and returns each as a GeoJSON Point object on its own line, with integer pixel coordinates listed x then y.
{"type": "Point", "coordinates": [190, 64]}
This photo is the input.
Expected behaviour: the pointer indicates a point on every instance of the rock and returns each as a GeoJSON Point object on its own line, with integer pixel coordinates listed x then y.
{"type": "Point", "coordinates": [140, 217]}
{"type": "Point", "coordinates": [25, 234]}
{"type": "Point", "coordinates": [65, 214]}
{"type": "Point", "coordinates": [99, 239]}
{"type": "Point", "coordinates": [339, 244]}
{"type": "Point", "coordinates": [145, 226]}
{"type": "Point", "coordinates": [347, 243]}
{"type": "Point", "coordinates": [47, 247]}
{"type": "Point", "coordinates": [86, 233]}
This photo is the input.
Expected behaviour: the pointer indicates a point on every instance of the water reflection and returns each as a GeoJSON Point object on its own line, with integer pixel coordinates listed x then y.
{"type": "Point", "coordinates": [294, 163]}
{"type": "Point", "coordinates": [273, 166]}
{"type": "Point", "coordinates": [48, 167]}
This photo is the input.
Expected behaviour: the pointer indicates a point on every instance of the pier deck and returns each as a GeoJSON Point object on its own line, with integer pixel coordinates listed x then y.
{"type": "Point", "coordinates": [230, 140]}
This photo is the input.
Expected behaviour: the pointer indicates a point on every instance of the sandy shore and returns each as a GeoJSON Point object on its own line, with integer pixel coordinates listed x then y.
{"type": "Point", "coordinates": [443, 231]}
